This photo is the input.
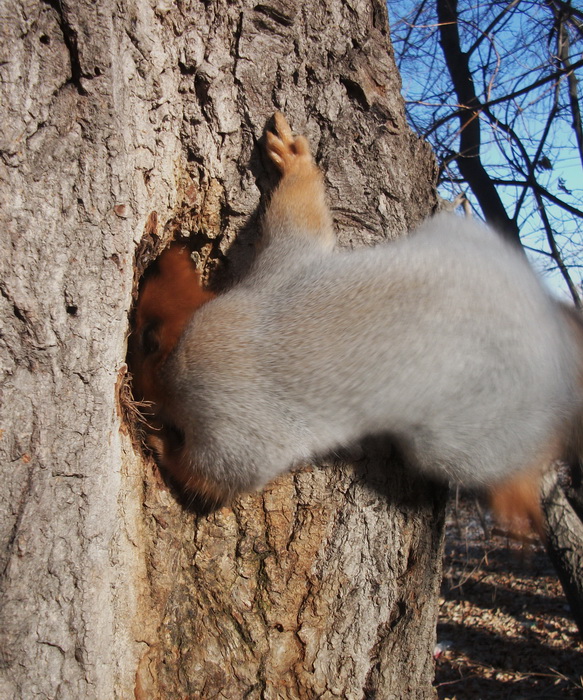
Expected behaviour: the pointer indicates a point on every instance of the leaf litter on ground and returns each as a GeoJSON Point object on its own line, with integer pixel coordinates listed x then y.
{"type": "Point", "coordinates": [505, 631]}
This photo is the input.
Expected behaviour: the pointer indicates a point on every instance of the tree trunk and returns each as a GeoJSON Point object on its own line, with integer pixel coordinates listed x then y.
{"type": "Point", "coordinates": [564, 537]}
{"type": "Point", "coordinates": [136, 119]}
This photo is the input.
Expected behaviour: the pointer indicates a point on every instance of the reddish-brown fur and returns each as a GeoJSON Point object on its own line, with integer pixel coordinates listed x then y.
{"type": "Point", "coordinates": [167, 300]}
{"type": "Point", "coordinates": [516, 502]}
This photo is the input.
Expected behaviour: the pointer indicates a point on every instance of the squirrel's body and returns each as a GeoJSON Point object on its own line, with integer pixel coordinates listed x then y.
{"type": "Point", "coordinates": [444, 341]}
{"type": "Point", "coordinates": [470, 379]}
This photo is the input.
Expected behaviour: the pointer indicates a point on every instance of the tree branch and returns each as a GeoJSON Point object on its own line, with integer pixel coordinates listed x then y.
{"type": "Point", "coordinates": [468, 159]}
{"type": "Point", "coordinates": [491, 26]}
{"type": "Point", "coordinates": [563, 46]}
{"type": "Point", "coordinates": [509, 96]}
{"type": "Point", "coordinates": [532, 184]}
{"type": "Point", "coordinates": [556, 253]}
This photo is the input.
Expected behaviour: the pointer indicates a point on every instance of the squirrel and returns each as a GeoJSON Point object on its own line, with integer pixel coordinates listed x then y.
{"type": "Point", "coordinates": [445, 341]}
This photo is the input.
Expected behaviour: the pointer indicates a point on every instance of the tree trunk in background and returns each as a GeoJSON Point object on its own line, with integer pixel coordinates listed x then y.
{"type": "Point", "coordinates": [121, 119]}
{"type": "Point", "coordinates": [564, 536]}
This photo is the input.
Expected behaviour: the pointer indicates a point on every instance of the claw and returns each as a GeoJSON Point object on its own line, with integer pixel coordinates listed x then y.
{"type": "Point", "coordinates": [286, 150]}
{"type": "Point", "coordinates": [275, 150]}
{"type": "Point", "coordinates": [283, 128]}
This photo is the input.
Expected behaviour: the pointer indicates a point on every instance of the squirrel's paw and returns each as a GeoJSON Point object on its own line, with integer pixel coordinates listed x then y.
{"type": "Point", "coordinates": [288, 152]}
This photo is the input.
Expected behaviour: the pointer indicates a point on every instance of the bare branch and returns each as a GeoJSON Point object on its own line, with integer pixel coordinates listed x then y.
{"type": "Point", "coordinates": [556, 253]}
{"type": "Point", "coordinates": [563, 46]}
{"type": "Point", "coordinates": [469, 159]}
{"type": "Point", "coordinates": [509, 96]}
{"type": "Point", "coordinates": [490, 27]}
{"type": "Point", "coordinates": [411, 28]}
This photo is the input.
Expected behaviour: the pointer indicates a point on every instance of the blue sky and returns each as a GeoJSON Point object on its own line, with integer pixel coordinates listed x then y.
{"type": "Point", "coordinates": [518, 51]}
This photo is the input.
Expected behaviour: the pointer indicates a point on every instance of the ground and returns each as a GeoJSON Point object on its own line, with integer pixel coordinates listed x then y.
{"type": "Point", "coordinates": [505, 630]}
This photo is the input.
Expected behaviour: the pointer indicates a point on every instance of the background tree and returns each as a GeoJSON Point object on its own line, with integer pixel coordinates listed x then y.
{"type": "Point", "coordinates": [494, 88]}
{"type": "Point", "coordinates": [124, 124]}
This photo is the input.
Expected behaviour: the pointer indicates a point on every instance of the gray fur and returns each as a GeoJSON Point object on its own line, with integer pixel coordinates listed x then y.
{"type": "Point", "coordinates": [445, 340]}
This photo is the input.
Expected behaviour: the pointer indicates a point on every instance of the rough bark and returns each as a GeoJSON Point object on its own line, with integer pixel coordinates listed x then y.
{"type": "Point", "coordinates": [124, 120]}
{"type": "Point", "coordinates": [564, 535]}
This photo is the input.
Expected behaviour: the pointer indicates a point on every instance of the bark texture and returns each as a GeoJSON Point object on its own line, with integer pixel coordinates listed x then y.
{"type": "Point", "coordinates": [564, 535]}
{"type": "Point", "coordinates": [137, 121]}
